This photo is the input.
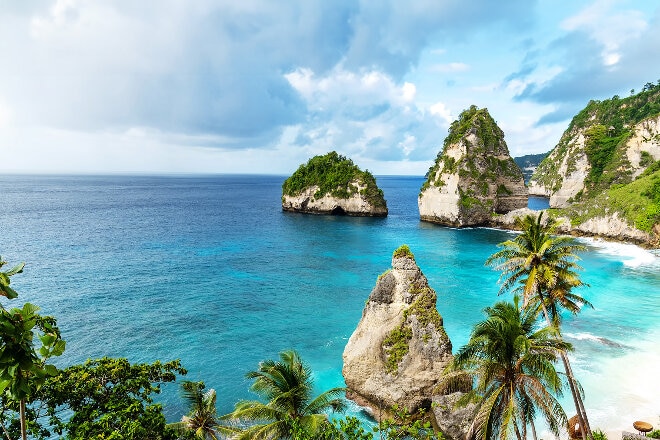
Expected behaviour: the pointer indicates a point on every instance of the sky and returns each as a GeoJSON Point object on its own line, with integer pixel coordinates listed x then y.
{"type": "Point", "coordinates": [261, 86]}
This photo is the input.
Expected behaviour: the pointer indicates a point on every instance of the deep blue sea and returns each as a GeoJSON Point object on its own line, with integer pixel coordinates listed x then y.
{"type": "Point", "coordinates": [209, 270]}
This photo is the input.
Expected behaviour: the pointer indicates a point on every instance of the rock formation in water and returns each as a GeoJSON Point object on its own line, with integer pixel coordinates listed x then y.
{"type": "Point", "coordinates": [332, 184]}
{"type": "Point", "coordinates": [398, 352]}
{"type": "Point", "coordinates": [474, 176]}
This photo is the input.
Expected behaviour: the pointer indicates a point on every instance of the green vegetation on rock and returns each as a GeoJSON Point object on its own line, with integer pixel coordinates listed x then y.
{"type": "Point", "coordinates": [482, 164]}
{"type": "Point", "coordinates": [637, 202]}
{"type": "Point", "coordinates": [336, 175]}
{"type": "Point", "coordinates": [396, 346]}
{"type": "Point", "coordinates": [607, 126]}
{"type": "Point", "coordinates": [403, 251]}
{"type": "Point", "coordinates": [397, 343]}
{"type": "Point", "coordinates": [477, 121]}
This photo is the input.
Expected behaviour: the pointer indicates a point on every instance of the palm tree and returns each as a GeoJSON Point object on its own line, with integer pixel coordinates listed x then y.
{"type": "Point", "coordinates": [287, 387]}
{"type": "Point", "coordinates": [512, 365]}
{"type": "Point", "coordinates": [543, 268]}
{"type": "Point", "coordinates": [202, 419]}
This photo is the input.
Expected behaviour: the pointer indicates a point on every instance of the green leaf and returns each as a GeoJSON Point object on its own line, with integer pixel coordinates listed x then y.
{"type": "Point", "coordinates": [50, 370]}
{"type": "Point", "coordinates": [48, 339]}
{"type": "Point", "coordinates": [18, 269]}
{"type": "Point", "coordinates": [58, 349]}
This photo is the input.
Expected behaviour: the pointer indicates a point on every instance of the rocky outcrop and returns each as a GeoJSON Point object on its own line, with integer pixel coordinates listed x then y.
{"type": "Point", "coordinates": [603, 173]}
{"type": "Point", "coordinates": [399, 350]}
{"type": "Point", "coordinates": [474, 176]}
{"type": "Point", "coordinates": [333, 184]}
{"type": "Point", "coordinates": [593, 154]}
{"type": "Point", "coordinates": [643, 145]}
{"type": "Point", "coordinates": [356, 204]}
{"type": "Point", "coordinates": [609, 226]}
{"type": "Point", "coordinates": [536, 189]}
{"type": "Point", "coordinates": [565, 172]}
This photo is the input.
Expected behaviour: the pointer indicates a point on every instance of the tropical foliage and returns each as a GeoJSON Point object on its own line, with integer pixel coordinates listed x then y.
{"type": "Point", "coordinates": [543, 269]}
{"type": "Point", "coordinates": [109, 399]}
{"type": "Point", "coordinates": [23, 365]}
{"type": "Point", "coordinates": [202, 421]}
{"type": "Point", "coordinates": [5, 290]}
{"type": "Point", "coordinates": [336, 175]}
{"type": "Point", "coordinates": [511, 363]}
{"type": "Point", "coordinates": [286, 387]}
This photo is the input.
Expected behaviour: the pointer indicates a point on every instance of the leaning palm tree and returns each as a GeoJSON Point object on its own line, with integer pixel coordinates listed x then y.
{"type": "Point", "coordinates": [287, 387]}
{"type": "Point", "coordinates": [542, 267]}
{"type": "Point", "coordinates": [202, 421]}
{"type": "Point", "coordinates": [512, 366]}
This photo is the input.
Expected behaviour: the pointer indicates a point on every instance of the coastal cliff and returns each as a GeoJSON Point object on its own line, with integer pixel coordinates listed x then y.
{"type": "Point", "coordinates": [604, 174]}
{"type": "Point", "coordinates": [569, 173]}
{"type": "Point", "coordinates": [473, 177]}
{"type": "Point", "coordinates": [332, 184]}
{"type": "Point", "coordinates": [399, 350]}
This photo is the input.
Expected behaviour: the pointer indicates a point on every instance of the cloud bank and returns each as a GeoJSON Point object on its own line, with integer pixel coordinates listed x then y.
{"type": "Point", "coordinates": [290, 79]}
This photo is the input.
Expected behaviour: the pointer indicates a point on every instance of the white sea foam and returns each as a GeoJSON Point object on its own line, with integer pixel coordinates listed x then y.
{"type": "Point", "coordinates": [629, 254]}
{"type": "Point", "coordinates": [583, 336]}
{"type": "Point", "coordinates": [627, 386]}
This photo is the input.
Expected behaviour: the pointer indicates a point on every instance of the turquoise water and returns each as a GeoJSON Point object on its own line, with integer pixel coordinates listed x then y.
{"type": "Point", "coordinates": [211, 271]}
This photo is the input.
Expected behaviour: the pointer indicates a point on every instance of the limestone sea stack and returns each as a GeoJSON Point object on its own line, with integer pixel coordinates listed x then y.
{"type": "Point", "coordinates": [399, 349]}
{"type": "Point", "coordinates": [473, 177]}
{"type": "Point", "coordinates": [333, 184]}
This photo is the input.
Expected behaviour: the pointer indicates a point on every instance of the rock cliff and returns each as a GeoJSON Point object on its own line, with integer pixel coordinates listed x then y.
{"type": "Point", "coordinates": [474, 176]}
{"type": "Point", "coordinates": [332, 184]}
{"type": "Point", "coordinates": [604, 174]}
{"type": "Point", "coordinates": [399, 349]}
{"type": "Point", "coordinates": [608, 143]}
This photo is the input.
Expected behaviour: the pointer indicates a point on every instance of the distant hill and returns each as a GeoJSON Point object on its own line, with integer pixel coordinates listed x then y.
{"type": "Point", "coordinates": [528, 163]}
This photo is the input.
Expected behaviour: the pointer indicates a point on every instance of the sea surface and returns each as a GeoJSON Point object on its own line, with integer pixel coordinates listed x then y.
{"type": "Point", "coordinates": [209, 270]}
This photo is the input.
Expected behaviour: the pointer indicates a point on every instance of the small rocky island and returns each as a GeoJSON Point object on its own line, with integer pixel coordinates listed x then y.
{"type": "Point", "coordinates": [334, 185]}
{"type": "Point", "coordinates": [473, 177]}
{"type": "Point", "coordinates": [399, 350]}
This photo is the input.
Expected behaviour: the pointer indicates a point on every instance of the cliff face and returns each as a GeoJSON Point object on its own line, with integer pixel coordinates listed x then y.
{"type": "Point", "coordinates": [355, 204]}
{"type": "Point", "coordinates": [474, 176]}
{"type": "Point", "coordinates": [608, 143]}
{"type": "Point", "coordinates": [399, 349]}
{"type": "Point", "coordinates": [604, 174]}
{"type": "Point", "coordinates": [568, 173]}
{"type": "Point", "coordinates": [333, 184]}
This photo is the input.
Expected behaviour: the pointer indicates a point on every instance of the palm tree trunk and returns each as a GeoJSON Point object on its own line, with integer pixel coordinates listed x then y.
{"type": "Point", "coordinates": [22, 415]}
{"type": "Point", "coordinates": [577, 399]}
{"type": "Point", "coordinates": [531, 424]}
{"type": "Point", "coordinates": [515, 427]}
{"type": "Point", "coordinates": [4, 429]}
{"type": "Point", "coordinates": [584, 423]}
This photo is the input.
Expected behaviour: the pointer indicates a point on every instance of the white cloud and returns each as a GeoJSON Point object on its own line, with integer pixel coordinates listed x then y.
{"type": "Point", "coordinates": [612, 29]}
{"type": "Point", "coordinates": [450, 67]}
{"type": "Point", "coordinates": [366, 114]}
{"type": "Point", "coordinates": [341, 87]}
{"type": "Point", "coordinates": [439, 109]}
{"type": "Point", "coordinates": [295, 78]}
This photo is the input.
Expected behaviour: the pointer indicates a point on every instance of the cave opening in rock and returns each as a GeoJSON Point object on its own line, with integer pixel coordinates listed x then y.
{"type": "Point", "coordinates": [338, 210]}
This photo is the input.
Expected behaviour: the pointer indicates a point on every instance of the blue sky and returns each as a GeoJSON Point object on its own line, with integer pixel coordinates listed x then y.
{"type": "Point", "coordinates": [257, 86]}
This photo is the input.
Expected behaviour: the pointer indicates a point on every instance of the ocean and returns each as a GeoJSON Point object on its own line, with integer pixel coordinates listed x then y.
{"type": "Point", "coordinates": [209, 270]}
